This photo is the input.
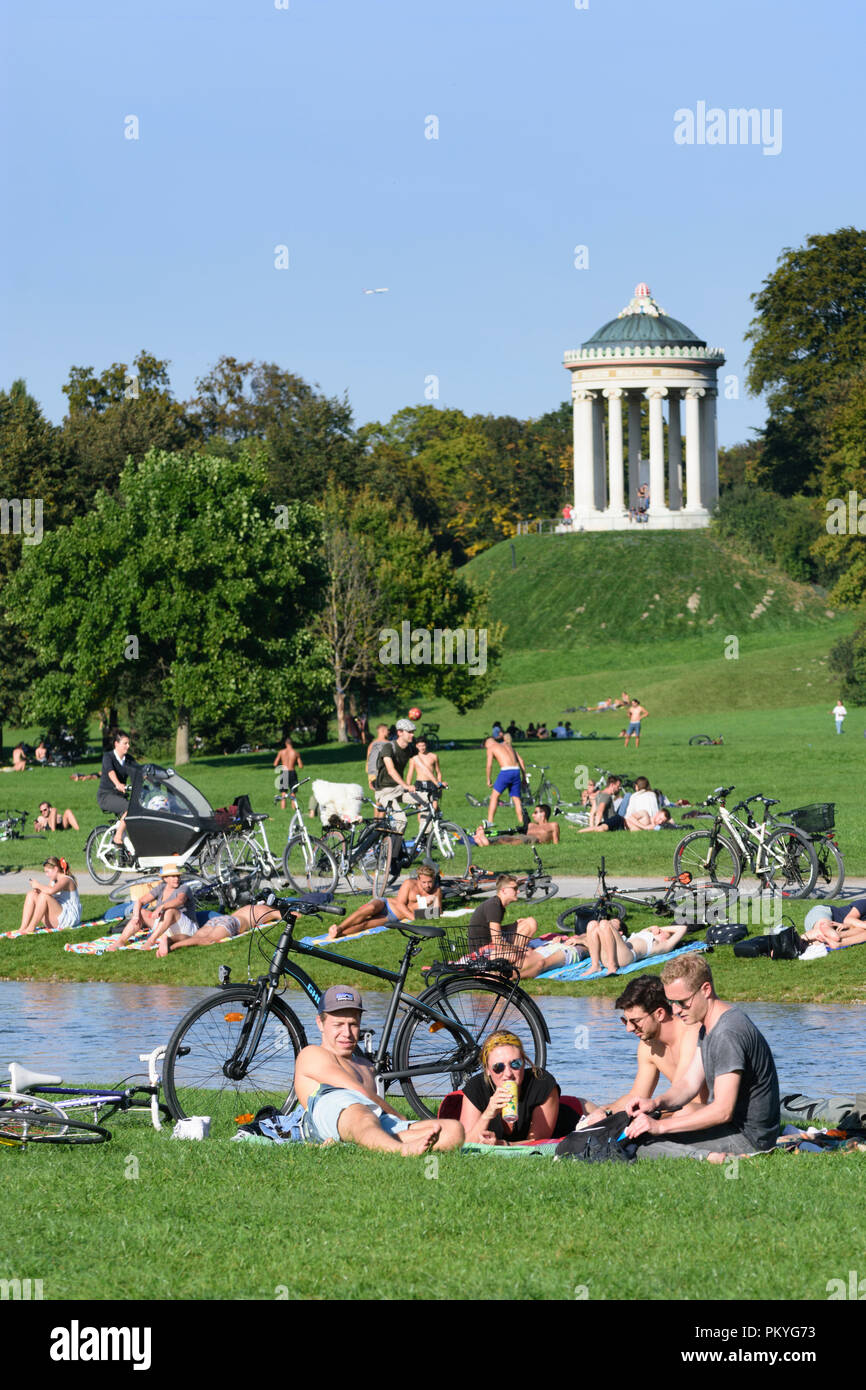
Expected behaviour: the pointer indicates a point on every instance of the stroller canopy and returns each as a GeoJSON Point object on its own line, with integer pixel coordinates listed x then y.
{"type": "Point", "coordinates": [166, 813]}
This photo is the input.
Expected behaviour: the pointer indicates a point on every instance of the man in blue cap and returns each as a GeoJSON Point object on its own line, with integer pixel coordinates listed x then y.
{"type": "Point", "coordinates": [337, 1087]}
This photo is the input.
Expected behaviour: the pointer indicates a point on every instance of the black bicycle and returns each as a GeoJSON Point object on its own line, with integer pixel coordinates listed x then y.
{"type": "Point", "coordinates": [535, 885]}
{"type": "Point", "coordinates": [697, 902]}
{"type": "Point", "coordinates": [234, 1052]}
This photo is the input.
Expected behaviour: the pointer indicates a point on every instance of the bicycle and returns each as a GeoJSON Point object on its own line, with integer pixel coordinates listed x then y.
{"type": "Point", "coordinates": [29, 1119]}
{"type": "Point", "coordinates": [439, 841]}
{"type": "Point", "coordinates": [547, 793]}
{"type": "Point", "coordinates": [12, 825]}
{"type": "Point", "coordinates": [681, 898]}
{"type": "Point", "coordinates": [357, 852]}
{"type": "Point", "coordinates": [430, 732]}
{"type": "Point", "coordinates": [817, 822]}
{"type": "Point", "coordinates": [705, 741]}
{"type": "Point", "coordinates": [782, 858]}
{"type": "Point", "coordinates": [604, 776]}
{"type": "Point", "coordinates": [534, 885]}
{"type": "Point", "coordinates": [235, 1050]}
{"type": "Point", "coordinates": [100, 1102]}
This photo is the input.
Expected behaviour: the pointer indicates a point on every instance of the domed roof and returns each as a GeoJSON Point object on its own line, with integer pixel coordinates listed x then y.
{"type": "Point", "coordinates": [643, 322]}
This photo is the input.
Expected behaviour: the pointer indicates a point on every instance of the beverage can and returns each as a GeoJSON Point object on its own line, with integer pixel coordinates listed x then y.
{"type": "Point", "coordinates": [509, 1110]}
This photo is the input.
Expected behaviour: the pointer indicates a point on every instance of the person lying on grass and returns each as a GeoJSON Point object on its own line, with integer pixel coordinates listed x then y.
{"type": "Point", "coordinates": [55, 905]}
{"type": "Point", "coordinates": [611, 948]}
{"type": "Point", "coordinates": [487, 1094]}
{"type": "Point", "coordinates": [414, 895]}
{"type": "Point", "coordinates": [837, 926]}
{"type": "Point", "coordinates": [540, 830]}
{"type": "Point", "coordinates": [735, 1063]}
{"type": "Point", "coordinates": [163, 908]}
{"type": "Point", "coordinates": [665, 1046]}
{"type": "Point", "coordinates": [220, 927]}
{"type": "Point", "coordinates": [337, 1088]}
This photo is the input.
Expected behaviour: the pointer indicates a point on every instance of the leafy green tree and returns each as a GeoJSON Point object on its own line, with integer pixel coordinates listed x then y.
{"type": "Point", "coordinates": [185, 585]}
{"type": "Point", "coordinates": [122, 413]}
{"type": "Point", "coordinates": [809, 333]}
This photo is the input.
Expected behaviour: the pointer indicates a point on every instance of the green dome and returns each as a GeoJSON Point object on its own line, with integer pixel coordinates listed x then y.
{"type": "Point", "coordinates": [643, 323]}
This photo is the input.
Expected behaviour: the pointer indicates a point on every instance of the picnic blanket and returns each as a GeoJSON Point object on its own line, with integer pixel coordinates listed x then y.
{"type": "Point", "coordinates": [76, 926]}
{"type": "Point", "coordinates": [540, 1148]}
{"type": "Point", "coordinates": [99, 945]}
{"type": "Point", "coordinates": [580, 970]}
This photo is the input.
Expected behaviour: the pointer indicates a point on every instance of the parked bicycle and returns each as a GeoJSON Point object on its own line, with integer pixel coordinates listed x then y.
{"type": "Point", "coordinates": [817, 822]}
{"type": "Point", "coordinates": [12, 826]}
{"type": "Point", "coordinates": [780, 856]}
{"type": "Point", "coordinates": [437, 840]}
{"type": "Point", "coordinates": [234, 1051]}
{"type": "Point", "coordinates": [98, 1104]}
{"type": "Point", "coordinates": [696, 902]}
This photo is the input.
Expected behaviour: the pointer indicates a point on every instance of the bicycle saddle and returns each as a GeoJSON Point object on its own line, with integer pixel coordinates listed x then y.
{"type": "Point", "coordinates": [417, 928]}
{"type": "Point", "coordinates": [21, 1078]}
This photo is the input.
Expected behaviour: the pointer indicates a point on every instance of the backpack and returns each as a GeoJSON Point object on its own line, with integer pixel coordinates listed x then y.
{"type": "Point", "coordinates": [726, 934]}
{"type": "Point", "coordinates": [600, 1143]}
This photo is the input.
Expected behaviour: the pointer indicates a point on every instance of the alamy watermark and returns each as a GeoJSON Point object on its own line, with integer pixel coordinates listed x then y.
{"type": "Point", "coordinates": [737, 126]}
{"type": "Point", "coordinates": [22, 517]}
{"type": "Point", "coordinates": [438, 646]}
{"type": "Point", "coordinates": [21, 1290]}
{"type": "Point", "coordinates": [847, 516]}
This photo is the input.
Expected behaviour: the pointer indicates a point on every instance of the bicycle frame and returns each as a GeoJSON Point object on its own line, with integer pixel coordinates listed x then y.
{"type": "Point", "coordinates": [756, 835]}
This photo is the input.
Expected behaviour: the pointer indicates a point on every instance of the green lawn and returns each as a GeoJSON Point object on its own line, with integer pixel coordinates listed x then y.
{"type": "Point", "coordinates": [164, 1219]}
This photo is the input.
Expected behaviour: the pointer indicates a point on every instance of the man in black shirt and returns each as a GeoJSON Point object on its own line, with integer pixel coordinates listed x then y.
{"type": "Point", "coordinates": [394, 758]}
{"type": "Point", "coordinates": [111, 792]}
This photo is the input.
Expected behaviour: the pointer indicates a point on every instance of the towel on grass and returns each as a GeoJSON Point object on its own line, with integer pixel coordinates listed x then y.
{"type": "Point", "coordinates": [75, 926]}
{"type": "Point", "coordinates": [580, 970]}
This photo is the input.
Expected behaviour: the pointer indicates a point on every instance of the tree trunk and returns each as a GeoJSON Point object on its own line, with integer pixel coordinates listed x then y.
{"type": "Point", "coordinates": [181, 741]}
{"type": "Point", "coordinates": [340, 706]}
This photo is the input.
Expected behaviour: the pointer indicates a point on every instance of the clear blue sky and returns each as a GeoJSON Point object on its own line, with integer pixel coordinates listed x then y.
{"type": "Point", "coordinates": [306, 127]}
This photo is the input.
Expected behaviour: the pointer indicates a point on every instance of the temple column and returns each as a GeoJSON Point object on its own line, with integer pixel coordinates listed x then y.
{"type": "Point", "coordinates": [675, 454]}
{"type": "Point", "coordinates": [633, 447]}
{"type": "Point", "coordinates": [656, 395]}
{"type": "Point", "coordinates": [694, 490]}
{"type": "Point", "coordinates": [616, 481]}
{"type": "Point", "coordinates": [584, 464]}
{"type": "Point", "coordinates": [709, 455]}
{"type": "Point", "coordinates": [598, 452]}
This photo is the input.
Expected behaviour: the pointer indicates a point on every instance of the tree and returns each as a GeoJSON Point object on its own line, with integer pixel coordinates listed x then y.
{"type": "Point", "coordinates": [121, 414]}
{"type": "Point", "coordinates": [187, 585]}
{"type": "Point", "coordinates": [350, 618]}
{"type": "Point", "coordinates": [808, 334]}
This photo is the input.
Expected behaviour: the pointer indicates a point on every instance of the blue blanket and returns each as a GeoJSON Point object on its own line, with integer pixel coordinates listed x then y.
{"type": "Point", "coordinates": [580, 970]}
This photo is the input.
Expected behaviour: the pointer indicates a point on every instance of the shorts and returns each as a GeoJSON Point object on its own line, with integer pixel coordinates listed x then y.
{"type": "Point", "coordinates": [509, 780]}
{"type": "Point", "coordinates": [112, 803]}
{"type": "Point", "coordinates": [389, 911]}
{"type": "Point", "coordinates": [571, 953]}
{"type": "Point", "coordinates": [326, 1105]}
{"type": "Point", "coordinates": [634, 728]}
{"type": "Point", "coordinates": [615, 821]}
{"type": "Point", "coordinates": [231, 924]}
{"type": "Point", "coordinates": [184, 926]}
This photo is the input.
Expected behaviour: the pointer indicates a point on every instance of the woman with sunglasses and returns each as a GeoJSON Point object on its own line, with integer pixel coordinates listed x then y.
{"type": "Point", "coordinates": [486, 1094]}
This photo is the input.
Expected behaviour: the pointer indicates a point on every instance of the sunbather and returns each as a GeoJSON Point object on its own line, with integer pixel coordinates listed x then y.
{"type": "Point", "coordinates": [162, 908]}
{"type": "Point", "coordinates": [837, 926]}
{"type": "Point", "coordinates": [55, 905]}
{"type": "Point", "coordinates": [416, 894]}
{"type": "Point", "coordinates": [611, 948]}
{"type": "Point", "coordinates": [220, 927]}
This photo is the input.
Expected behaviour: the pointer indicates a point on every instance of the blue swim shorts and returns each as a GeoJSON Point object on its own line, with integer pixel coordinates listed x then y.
{"type": "Point", "coordinates": [508, 781]}
{"type": "Point", "coordinates": [327, 1104]}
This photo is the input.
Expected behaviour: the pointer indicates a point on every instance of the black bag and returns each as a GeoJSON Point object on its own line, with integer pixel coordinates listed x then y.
{"type": "Point", "coordinates": [599, 1143]}
{"type": "Point", "coordinates": [781, 943]}
{"type": "Point", "coordinates": [726, 934]}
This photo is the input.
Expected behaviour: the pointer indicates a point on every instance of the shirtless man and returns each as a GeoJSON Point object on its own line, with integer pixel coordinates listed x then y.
{"type": "Point", "coordinates": [636, 713]}
{"type": "Point", "coordinates": [221, 927]}
{"type": "Point", "coordinates": [540, 830]}
{"type": "Point", "coordinates": [425, 766]}
{"type": "Point", "coordinates": [665, 1045]}
{"type": "Point", "coordinates": [288, 760]}
{"type": "Point", "coordinates": [415, 895]}
{"type": "Point", "coordinates": [509, 777]}
{"type": "Point", "coordinates": [337, 1089]}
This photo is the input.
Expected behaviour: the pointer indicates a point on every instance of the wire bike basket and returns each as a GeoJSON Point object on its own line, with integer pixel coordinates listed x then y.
{"type": "Point", "coordinates": [503, 957]}
{"type": "Point", "coordinates": [814, 819]}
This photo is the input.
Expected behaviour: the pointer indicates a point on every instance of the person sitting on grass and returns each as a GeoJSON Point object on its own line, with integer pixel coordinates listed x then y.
{"type": "Point", "coordinates": [160, 909]}
{"type": "Point", "coordinates": [50, 818]}
{"type": "Point", "coordinates": [337, 1088]}
{"type": "Point", "coordinates": [603, 816]}
{"type": "Point", "coordinates": [220, 927]}
{"type": "Point", "coordinates": [415, 895]}
{"type": "Point", "coordinates": [19, 758]}
{"type": "Point", "coordinates": [487, 936]}
{"type": "Point", "coordinates": [486, 1095]}
{"type": "Point", "coordinates": [665, 1045]}
{"type": "Point", "coordinates": [540, 830]}
{"type": "Point", "coordinates": [732, 1059]}
{"type": "Point", "coordinates": [611, 948]}
{"type": "Point", "coordinates": [55, 905]}
{"type": "Point", "coordinates": [837, 926]}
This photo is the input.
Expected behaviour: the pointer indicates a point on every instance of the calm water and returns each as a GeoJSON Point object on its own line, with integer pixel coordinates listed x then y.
{"type": "Point", "coordinates": [96, 1031]}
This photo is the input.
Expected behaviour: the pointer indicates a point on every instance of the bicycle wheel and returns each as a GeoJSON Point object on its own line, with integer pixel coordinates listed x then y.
{"type": "Point", "coordinates": [449, 848]}
{"type": "Point", "coordinates": [792, 865]}
{"type": "Point", "coordinates": [239, 854]}
{"type": "Point", "coordinates": [831, 869]}
{"type": "Point", "coordinates": [194, 1073]}
{"type": "Point", "coordinates": [708, 857]}
{"type": "Point", "coordinates": [549, 793]}
{"type": "Point", "coordinates": [699, 740]}
{"type": "Point", "coordinates": [538, 890]}
{"type": "Point", "coordinates": [309, 865]}
{"type": "Point", "coordinates": [705, 904]}
{"type": "Point", "coordinates": [42, 1124]}
{"type": "Point", "coordinates": [482, 1006]}
{"type": "Point", "coordinates": [382, 870]}
{"type": "Point", "coordinates": [99, 843]}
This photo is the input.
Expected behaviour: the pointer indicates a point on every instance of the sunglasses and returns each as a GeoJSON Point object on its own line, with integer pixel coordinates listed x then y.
{"type": "Point", "coordinates": [681, 1003]}
{"type": "Point", "coordinates": [516, 1064]}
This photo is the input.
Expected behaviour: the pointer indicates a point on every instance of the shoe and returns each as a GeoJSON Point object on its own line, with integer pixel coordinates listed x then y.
{"type": "Point", "coordinates": [814, 951]}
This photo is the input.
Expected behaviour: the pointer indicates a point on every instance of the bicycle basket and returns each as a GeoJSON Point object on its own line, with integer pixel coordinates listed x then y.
{"type": "Point", "coordinates": [505, 956]}
{"type": "Point", "coordinates": [821, 815]}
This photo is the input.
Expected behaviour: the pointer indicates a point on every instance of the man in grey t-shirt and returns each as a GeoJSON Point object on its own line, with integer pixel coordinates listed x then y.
{"type": "Point", "coordinates": [742, 1114]}
{"type": "Point", "coordinates": [373, 754]}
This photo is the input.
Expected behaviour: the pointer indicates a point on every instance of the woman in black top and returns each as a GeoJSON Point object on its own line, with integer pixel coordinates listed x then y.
{"type": "Point", "coordinates": [111, 792]}
{"type": "Point", "coordinates": [485, 1095]}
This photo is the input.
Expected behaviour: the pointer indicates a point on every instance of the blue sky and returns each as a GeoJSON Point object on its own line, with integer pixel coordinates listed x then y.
{"type": "Point", "coordinates": [305, 127]}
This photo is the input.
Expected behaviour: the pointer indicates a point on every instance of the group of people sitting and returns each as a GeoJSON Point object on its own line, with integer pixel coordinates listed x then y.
{"type": "Point", "coordinates": [721, 1100]}
{"type": "Point", "coordinates": [610, 809]}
